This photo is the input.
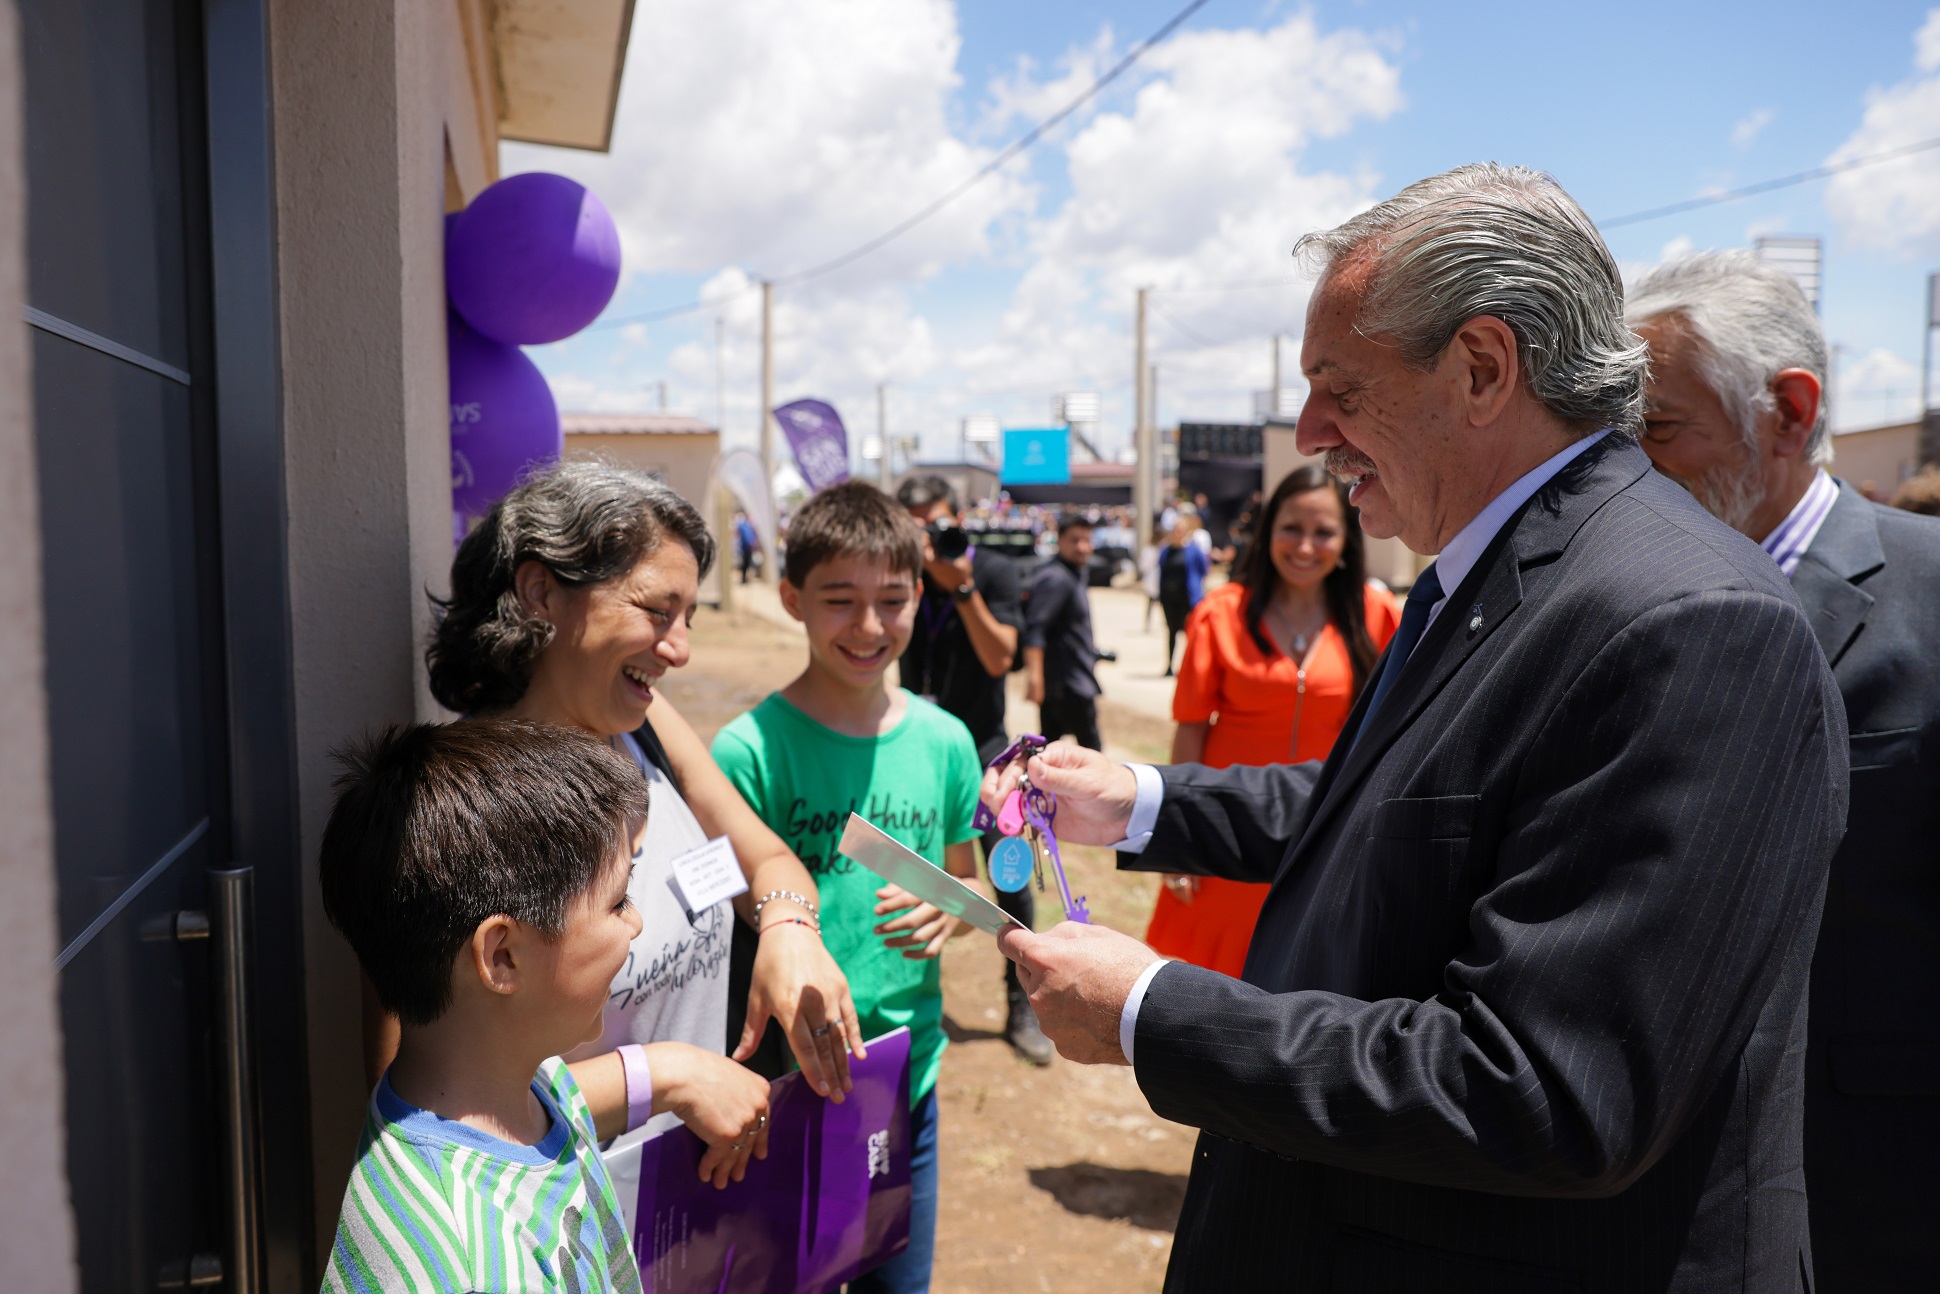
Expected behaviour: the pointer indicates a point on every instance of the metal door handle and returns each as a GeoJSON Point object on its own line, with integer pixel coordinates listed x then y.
{"type": "Point", "coordinates": [232, 940]}
{"type": "Point", "coordinates": [203, 1271]}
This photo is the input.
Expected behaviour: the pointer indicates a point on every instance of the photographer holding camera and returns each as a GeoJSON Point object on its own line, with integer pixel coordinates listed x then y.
{"type": "Point", "coordinates": [965, 642]}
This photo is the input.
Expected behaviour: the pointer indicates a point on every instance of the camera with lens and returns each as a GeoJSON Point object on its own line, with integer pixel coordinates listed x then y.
{"type": "Point", "coordinates": [948, 540]}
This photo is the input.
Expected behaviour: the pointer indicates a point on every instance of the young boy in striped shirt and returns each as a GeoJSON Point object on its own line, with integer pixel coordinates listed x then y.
{"type": "Point", "coordinates": [480, 871]}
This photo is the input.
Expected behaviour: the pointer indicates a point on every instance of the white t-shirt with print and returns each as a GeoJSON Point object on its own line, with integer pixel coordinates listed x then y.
{"type": "Point", "coordinates": [674, 984]}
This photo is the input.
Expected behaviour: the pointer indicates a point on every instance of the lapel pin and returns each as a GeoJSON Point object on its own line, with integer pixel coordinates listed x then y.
{"type": "Point", "coordinates": [1475, 618]}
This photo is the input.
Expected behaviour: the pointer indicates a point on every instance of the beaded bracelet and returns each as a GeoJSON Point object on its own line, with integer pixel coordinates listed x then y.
{"type": "Point", "coordinates": [789, 921]}
{"type": "Point", "coordinates": [806, 903]}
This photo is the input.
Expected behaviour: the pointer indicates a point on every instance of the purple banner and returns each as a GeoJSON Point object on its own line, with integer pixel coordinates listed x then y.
{"type": "Point", "coordinates": [830, 1201]}
{"type": "Point", "coordinates": [821, 444]}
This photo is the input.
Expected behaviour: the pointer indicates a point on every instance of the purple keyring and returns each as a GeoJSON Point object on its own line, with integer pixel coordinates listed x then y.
{"type": "Point", "coordinates": [1022, 745]}
{"type": "Point", "coordinates": [1040, 806]}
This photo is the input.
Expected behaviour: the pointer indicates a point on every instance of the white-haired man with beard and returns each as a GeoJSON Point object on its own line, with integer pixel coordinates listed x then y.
{"type": "Point", "coordinates": [1734, 412]}
{"type": "Point", "coordinates": [1525, 1008]}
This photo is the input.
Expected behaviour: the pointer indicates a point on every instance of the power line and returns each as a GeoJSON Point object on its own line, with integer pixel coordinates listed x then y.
{"type": "Point", "coordinates": [1239, 286]}
{"type": "Point", "coordinates": [1183, 331]}
{"type": "Point", "coordinates": [670, 312]}
{"type": "Point", "coordinates": [1766, 186]}
{"type": "Point", "coordinates": [983, 173]}
{"type": "Point", "coordinates": [991, 167]}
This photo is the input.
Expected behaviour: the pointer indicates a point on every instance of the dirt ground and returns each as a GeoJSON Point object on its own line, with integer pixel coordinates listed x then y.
{"type": "Point", "coordinates": [1052, 1179]}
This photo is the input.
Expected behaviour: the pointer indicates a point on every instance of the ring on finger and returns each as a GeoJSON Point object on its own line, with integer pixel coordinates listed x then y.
{"type": "Point", "coordinates": [822, 1032]}
{"type": "Point", "coordinates": [761, 1121]}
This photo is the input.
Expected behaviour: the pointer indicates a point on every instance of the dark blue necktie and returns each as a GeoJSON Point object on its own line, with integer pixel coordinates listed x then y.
{"type": "Point", "coordinates": [1414, 619]}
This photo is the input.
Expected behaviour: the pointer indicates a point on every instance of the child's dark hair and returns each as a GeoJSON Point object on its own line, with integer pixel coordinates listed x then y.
{"type": "Point", "coordinates": [439, 826]}
{"type": "Point", "coordinates": [853, 519]}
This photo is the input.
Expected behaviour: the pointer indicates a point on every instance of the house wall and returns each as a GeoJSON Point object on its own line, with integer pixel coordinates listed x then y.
{"type": "Point", "coordinates": [1388, 560]}
{"type": "Point", "coordinates": [36, 1225]}
{"type": "Point", "coordinates": [377, 109]}
{"type": "Point", "coordinates": [1883, 455]}
{"type": "Point", "coordinates": [685, 462]}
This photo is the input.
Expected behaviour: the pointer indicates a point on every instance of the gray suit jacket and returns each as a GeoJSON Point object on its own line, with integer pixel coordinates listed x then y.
{"type": "Point", "coordinates": [1525, 1006]}
{"type": "Point", "coordinates": [1870, 585]}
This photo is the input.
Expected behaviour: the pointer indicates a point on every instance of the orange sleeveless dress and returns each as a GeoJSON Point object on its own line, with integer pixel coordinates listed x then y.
{"type": "Point", "coordinates": [1264, 710]}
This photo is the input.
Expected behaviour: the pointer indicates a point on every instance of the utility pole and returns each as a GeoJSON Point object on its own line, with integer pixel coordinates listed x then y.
{"type": "Point", "coordinates": [724, 534]}
{"type": "Point", "coordinates": [720, 372]}
{"type": "Point", "coordinates": [1145, 467]}
{"type": "Point", "coordinates": [1273, 393]}
{"type": "Point", "coordinates": [767, 416]}
{"type": "Point", "coordinates": [882, 433]}
{"type": "Point", "coordinates": [1929, 451]}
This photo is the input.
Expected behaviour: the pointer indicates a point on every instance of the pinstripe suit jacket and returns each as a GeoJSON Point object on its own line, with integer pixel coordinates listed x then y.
{"type": "Point", "coordinates": [1525, 1006]}
{"type": "Point", "coordinates": [1870, 586]}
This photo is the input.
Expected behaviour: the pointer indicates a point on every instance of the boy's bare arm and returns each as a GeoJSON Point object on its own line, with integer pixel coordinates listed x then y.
{"type": "Point", "coordinates": [725, 1104]}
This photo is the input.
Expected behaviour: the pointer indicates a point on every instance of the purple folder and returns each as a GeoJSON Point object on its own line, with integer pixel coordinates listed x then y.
{"type": "Point", "coordinates": [830, 1202]}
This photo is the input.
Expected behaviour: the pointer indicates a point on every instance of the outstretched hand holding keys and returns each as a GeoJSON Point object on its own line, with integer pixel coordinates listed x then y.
{"type": "Point", "coordinates": [1077, 976]}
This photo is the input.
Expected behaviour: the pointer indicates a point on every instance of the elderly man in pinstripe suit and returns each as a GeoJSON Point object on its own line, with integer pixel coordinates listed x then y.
{"type": "Point", "coordinates": [1734, 414]}
{"type": "Point", "coordinates": [1525, 1009]}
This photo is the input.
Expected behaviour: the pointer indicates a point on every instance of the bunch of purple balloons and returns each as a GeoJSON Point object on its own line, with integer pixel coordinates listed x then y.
{"type": "Point", "coordinates": [533, 259]}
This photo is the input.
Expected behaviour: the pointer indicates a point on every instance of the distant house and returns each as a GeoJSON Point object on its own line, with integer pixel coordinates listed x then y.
{"type": "Point", "coordinates": [680, 449]}
{"type": "Point", "coordinates": [1877, 459]}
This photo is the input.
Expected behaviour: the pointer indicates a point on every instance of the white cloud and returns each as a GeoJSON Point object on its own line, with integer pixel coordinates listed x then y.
{"type": "Point", "coordinates": [1197, 183]}
{"type": "Point", "coordinates": [1875, 390]}
{"type": "Point", "coordinates": [775, 134]}
{"type": "Point", "coordinates": [1926, 43]}
{"type": "Point", "coordinates": [1021, 99]}
{"type": "Point", "coordinates": [1751, 126]}
{"type": "Point", "coordinates": [1895, 205]}
{"type": "Point", "coordinates": [769, 135]}
{"type": "Point", "coordinates": [1674, 250]}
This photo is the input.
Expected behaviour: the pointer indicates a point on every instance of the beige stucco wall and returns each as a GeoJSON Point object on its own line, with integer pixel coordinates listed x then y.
{"type": "Point", "coordinates": [684, 462]}
{"type": "Point", "coordinates": [1883, 455]}
{"type": "Point", "coordinates": [36, 1227]}
{"type": "Point", "coordinates": [1388, 560]}
{"type": "Point", "coordinates": [369, 95]}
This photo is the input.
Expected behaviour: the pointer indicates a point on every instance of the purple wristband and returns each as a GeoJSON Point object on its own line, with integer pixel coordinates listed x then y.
{"type": "Point", "coordinates": [639, 1084]}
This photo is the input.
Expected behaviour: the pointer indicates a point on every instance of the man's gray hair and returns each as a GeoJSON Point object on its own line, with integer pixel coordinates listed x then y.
{"type": "Point", "coordinates": [1750, 322]}
{"type": "Point", "coordinates": [1508, 242]}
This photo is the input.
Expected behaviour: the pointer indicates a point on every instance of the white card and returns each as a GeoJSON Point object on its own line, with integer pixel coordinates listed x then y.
{"type": "Point", "coordinates": [896, 863]}
{"type": "Point", "coordinates": [703, 877]}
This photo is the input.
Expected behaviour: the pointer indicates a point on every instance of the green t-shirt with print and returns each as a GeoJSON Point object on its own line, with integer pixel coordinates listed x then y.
{"type": "Point", "coordinates": [919, 783]}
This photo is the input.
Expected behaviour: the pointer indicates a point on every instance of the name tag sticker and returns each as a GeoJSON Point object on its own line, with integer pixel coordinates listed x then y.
{"type": "Point", "coordinates": [705, 876]}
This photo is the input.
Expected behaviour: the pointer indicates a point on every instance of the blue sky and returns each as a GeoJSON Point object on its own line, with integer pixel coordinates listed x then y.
{"type": "Point", "coordinates": [764, 136]}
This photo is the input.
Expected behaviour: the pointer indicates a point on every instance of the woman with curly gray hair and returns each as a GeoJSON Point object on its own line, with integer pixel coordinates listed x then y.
{"type": "Point", "coordinates": [568, 603]}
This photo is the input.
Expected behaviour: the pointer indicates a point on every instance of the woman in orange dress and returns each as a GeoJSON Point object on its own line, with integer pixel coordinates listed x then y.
{"type": "Point", "coordinates": [1273, 663]}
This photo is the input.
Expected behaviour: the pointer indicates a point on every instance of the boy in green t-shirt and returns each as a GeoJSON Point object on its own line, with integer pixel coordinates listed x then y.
{"type": "Point", "coordinates": [838, 740]}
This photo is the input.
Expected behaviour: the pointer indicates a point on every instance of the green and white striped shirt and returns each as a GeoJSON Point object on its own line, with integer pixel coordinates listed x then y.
{"type": "Point", "coordinates": [437, 1205]}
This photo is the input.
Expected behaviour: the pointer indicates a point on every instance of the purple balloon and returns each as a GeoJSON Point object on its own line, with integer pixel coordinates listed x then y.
{"type": "Point", "coordinates": [533, 259]}
{"type": "Point", "coordinates": [503, 419]}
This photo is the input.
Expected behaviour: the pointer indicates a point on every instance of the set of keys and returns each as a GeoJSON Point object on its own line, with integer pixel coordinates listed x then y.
{"type": "Point", "coordinates": [1025, 820]}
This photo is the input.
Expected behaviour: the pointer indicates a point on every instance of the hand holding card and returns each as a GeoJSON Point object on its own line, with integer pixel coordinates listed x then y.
{"type": "Point", "coordinates": [888, 858]}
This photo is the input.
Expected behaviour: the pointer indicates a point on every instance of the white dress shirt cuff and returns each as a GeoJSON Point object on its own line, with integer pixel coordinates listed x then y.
{"type": "Point", "coordinates": [1145, 809]}
{"type": "Point", "coordinates": [1128, 1018]}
